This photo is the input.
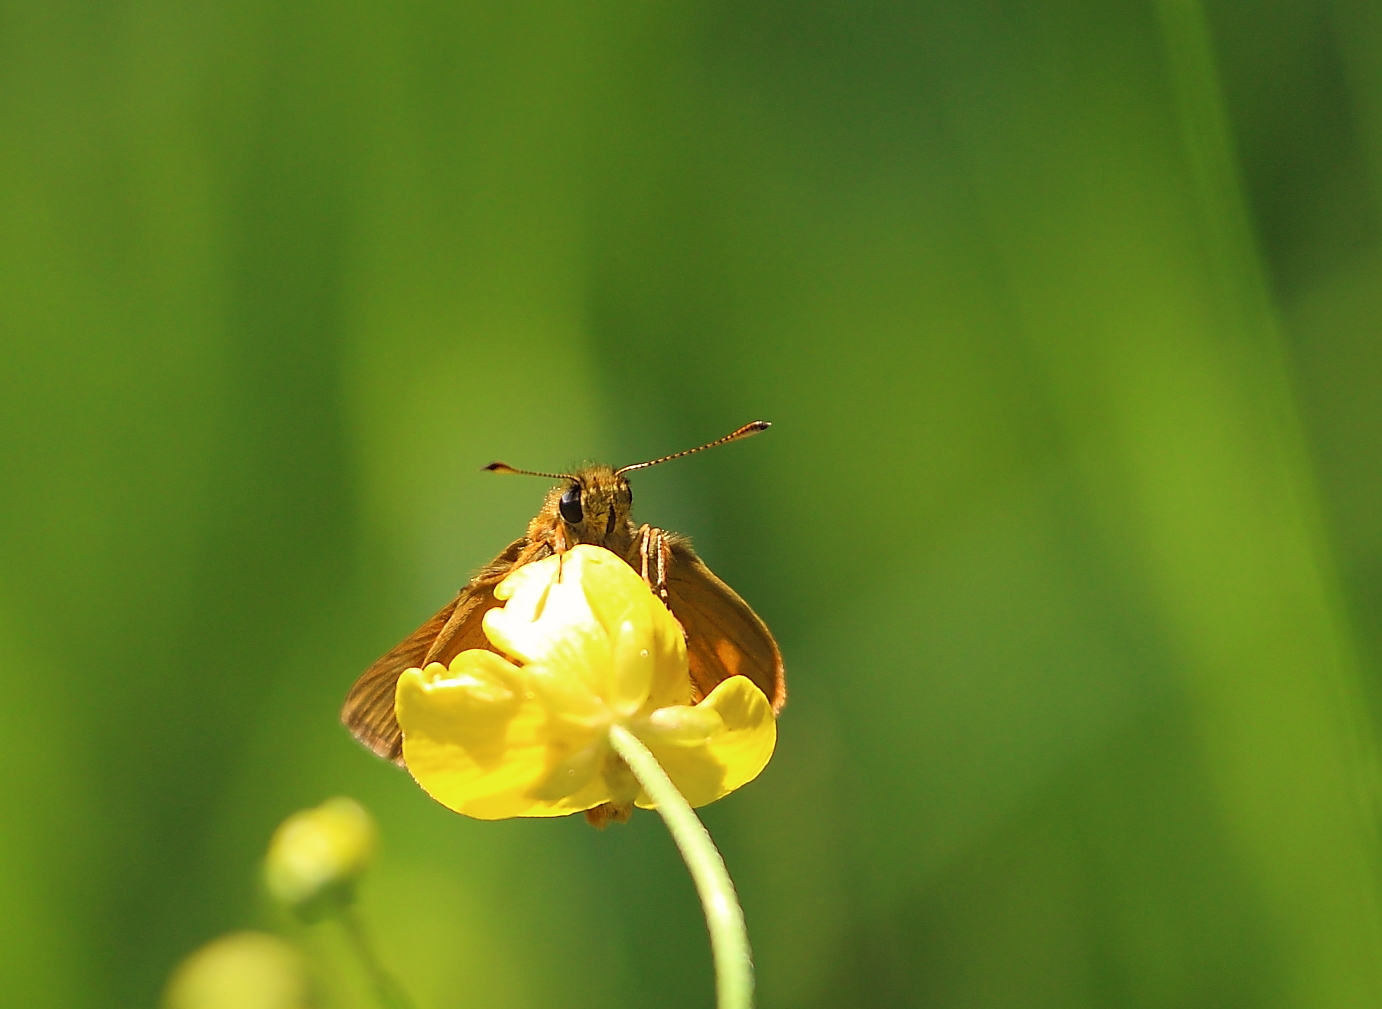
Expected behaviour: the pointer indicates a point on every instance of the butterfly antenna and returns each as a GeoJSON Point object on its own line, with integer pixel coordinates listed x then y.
{"type": "Point", "coordinates": [743, 432]}
{"type": "Point", "coordinates": [503, 467]}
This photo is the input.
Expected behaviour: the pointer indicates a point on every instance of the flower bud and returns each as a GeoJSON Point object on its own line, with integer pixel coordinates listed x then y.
{"type": "Point", "coordinates": [317, 855]}
{"type": "Point", "coordinates": [243, 970]}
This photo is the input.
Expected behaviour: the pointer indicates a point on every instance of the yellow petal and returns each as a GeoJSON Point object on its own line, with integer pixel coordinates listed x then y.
{"type": "Point", "coordinates": [481, 743]}
{"type": "Point", "coordinates": [547, 620]}
{"type": "Point", "coordinates": [737, 734]}
{"type": "Point", "coordinates": [649, 646]}
{"type": "Point", "coordinates": [670, 682]}
{"type": "Point", "coordinates": [683, 725]}
{"type": "Point", "coordinates": [588, 615]}
{"type": "Point", "coordinates": [470, 704]}
{"type": "Point", "coordinates": [470, 739]}
{"type": "Point", "coordinates": [629, 612]}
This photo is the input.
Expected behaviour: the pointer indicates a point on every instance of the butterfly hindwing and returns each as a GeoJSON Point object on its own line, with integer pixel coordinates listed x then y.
{"type": "Point", "coordinates": [724, 637]}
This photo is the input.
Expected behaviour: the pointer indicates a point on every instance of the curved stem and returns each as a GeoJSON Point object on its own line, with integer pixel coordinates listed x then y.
{"type": "Point", "coordinates": [729, 939]}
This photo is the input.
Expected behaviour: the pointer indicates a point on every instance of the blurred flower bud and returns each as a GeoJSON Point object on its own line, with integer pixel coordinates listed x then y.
{"type": "Point", "coordinates": [243, 970]}
{"type": "Point", "coordinates": [317, 855]}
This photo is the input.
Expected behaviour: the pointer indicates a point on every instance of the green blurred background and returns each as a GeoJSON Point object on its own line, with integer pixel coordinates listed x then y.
{"type": "Point", "coordinates": [1069, 318]}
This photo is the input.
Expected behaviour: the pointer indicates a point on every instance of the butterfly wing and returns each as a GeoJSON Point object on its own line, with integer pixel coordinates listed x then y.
{"type": "Point", "coordinates": [724, 637]}
{"type": "Point", "coordinates": [368, 711]}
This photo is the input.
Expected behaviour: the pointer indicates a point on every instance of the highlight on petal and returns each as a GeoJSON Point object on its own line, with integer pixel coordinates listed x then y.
{"type": "Point", "coordinates": [546, 620]}
{"type": "Point", "coordinates": [716, 746]}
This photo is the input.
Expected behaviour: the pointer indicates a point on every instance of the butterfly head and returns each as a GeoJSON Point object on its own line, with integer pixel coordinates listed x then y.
{"type": "Point", "coordinates": [595, 507]}
{"type": "Point", "coordinates": [595, 504]}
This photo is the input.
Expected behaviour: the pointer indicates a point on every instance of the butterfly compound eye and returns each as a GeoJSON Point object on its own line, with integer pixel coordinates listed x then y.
{"type": "Point", "coordinates": [570, 505]}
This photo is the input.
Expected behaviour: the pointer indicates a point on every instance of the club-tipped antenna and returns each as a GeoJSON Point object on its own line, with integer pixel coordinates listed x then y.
{"type": "Point", "coordinates": [744, 432]}
{"type": "Point", "coordinates": [503, 467]}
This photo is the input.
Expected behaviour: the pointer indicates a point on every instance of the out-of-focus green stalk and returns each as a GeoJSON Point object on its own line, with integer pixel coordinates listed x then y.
{"type": "Point", "coordinates": [1310, 669]}
{"type": "Point", "coordinates": [1210, 154]}
{"type": "Point", "coordinates": [729, 939]}
{"type": "Point", "coordinates": [386, 989]}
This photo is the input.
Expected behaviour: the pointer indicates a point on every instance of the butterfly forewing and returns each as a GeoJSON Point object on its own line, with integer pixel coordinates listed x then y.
{"type": "Point", "coordinates": [369, 707]}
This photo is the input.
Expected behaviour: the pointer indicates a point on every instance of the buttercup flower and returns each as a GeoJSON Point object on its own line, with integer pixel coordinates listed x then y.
{"type": "Point", "coordinates": [317, 855]}
{"type": "Point", "coordinates": [590, 647]}
{"type": "Point", "coordinates": [243, 970]}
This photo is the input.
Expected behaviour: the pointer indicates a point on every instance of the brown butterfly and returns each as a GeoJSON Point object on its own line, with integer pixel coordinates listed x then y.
{"type": "Point", "coordinates": [724, 637]}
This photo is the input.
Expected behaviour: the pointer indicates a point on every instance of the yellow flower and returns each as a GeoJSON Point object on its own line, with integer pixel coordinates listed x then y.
{"type": "Point", "coordinates": [592, 647]}
{"type": "Point", "coordinates": [243, 970]}
{"type": "Point", "coordinates": [317, 855]}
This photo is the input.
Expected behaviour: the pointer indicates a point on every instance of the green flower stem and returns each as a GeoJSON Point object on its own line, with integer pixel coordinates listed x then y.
{"type": "Point", "coordinates": [390, 995]}
{"type": "Point", "coordinates": [729, 939]}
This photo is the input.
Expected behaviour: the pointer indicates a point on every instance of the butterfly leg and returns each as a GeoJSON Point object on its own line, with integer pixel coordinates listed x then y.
{"type": "Point", "coordinates": [559, 548]}
{"type": "Point", "coordinates": [664, 557]}
{"type": "Point", "coordinates": [642, 534]}
{"type": "Point", "coordinates": [654, 551]}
